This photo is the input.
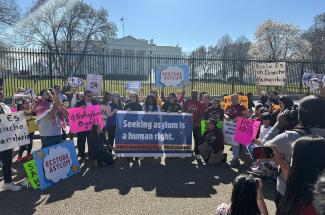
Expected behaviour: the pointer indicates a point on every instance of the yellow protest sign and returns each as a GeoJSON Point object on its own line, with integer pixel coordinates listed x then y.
{"type": "Point", "coordinates": [31, 122]}
{"type": "Point", "coordinates": [243, 100]}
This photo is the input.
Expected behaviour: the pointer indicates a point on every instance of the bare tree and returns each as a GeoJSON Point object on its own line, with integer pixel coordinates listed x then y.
{"type": "Point", "coordinates": [9, 12]}
{"type": "Point", "coordinates": [316, 36]}
{"type": "Point", "coordinates": [64, 25]}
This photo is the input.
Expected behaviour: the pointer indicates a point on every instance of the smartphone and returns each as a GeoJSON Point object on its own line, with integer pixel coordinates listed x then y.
{"type": "Point", "coordinates": [263, 152]}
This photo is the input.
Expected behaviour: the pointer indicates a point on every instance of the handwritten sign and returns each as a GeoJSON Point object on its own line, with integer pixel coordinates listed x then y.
{"type": "Point", "coordinates": [172, 75]}
{"type": "Point", "coordinates": [82, 119]}
{"type": "Point", "coordinates": [55, 163]}
{"type": "Point", "coordinates": [32, 174]}
{"type": "Point", "coordinates": [13, 130]}
{"type": "Point", "coordinates": [246, 130]}
{"type": "Point", "coordinates": [94, 84]}
{"type": "Point", "coordinates": [229, 128]}
{"type": "Point", "coordinates": [243, 100]}
{"type": "Point", "coordinates": [271, 74]}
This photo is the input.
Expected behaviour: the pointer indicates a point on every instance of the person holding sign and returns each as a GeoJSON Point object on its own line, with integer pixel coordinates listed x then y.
{"type": "Point", "coordinates": [83, 136]}
{"type": "Point", "coordinates": [171, 105]}
{"type": "Point", "coordinates": [32, 127]}
{"type": "Point", "coordinates": [50, 112]}
{"type": "Point", "coordinates": [115, 105]}
{"type": "Point", "coordinates": [234, 111]}
{"type": "Point", "coordinates": [133, 103]}
{"type": "Point", "coordinates": [6, 155]}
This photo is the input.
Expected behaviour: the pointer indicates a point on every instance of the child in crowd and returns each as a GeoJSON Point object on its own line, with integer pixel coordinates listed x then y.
{"type": "Point", "coordinates": [96, 142]}
{"type": "Point", "coordinates": [30, 118]}
{"type": "Point", "coordinates": [211, 149]}
{"type": "Point", "coordinates": [215, 111]}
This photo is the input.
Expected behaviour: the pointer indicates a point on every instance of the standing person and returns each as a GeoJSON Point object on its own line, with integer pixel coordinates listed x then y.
{"type": "Point", "coordinates": [104, 107]}
{"type": "Point", "coordinates": [150, 104]}
{"type": "Point", "coordinates": [171, 105]}
{"type": "Point", "coordinates": [195, 107]}
{"type": "Point", "coordinates": [306, 165]}
{"type": "Point", "coordinates": [98, 152]}
{"type": "Point", "coordinates": [206, 101]}
{"type": "Point", "coordinates": [181, 96]}
{"type": "Point", "coordinates": [246, 198]}
{"type": "Point", "coordinates": [212, 146]}
{"type": "Point", "coordinates": [250, 98]}
{"type": "Point", "coordinates": [50, 113]}
{"type": "Point", "coordinates": [82, 137]}
{"type": "Point", "coordinates": [133, 103]}
{"type": "Point", "coordinates": [58, 92]}
{"type": "Point", "coordinates": [6, 155]}
{"type": "Point", "coordinates": [154, 93]}
{"type": "Point", "coordinates": [73, 97]}
{"type": "Point", "coordinates": [311, 122]}
{"type": "Point", "coordinates": [30, 119]}
{"type": "Point", "coordinates": [114, 106]}
{"type": "Point", "coordinates": [234, 111]}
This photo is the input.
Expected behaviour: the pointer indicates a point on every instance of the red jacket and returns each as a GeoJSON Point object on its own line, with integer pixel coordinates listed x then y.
{"type": "Point", "coordinates": [196, 108]}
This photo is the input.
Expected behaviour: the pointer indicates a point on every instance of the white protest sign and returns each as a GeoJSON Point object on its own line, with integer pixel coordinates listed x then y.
{"type": "Point", "coordinates": [74, 82]}
{"type": "Point", "coordinates": [271, 74]}
{"type": "Point", "coordinates": [229, 128]}
{"type": "Point", "coordinates": [57, 164]}
{"type": "Point", "coordinates": [133, 85]}
{"type": "Point", "coordinates": [311, 80]}
{"type": "Point", "coordinates": [94, 84]}
{"type": "Point", "coordinates": [171, 76]}
{"type": "Point", "coordinates": [13, 130]}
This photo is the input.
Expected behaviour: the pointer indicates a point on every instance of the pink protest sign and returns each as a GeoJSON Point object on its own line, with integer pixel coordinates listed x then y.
{"type": "Point", "coordinates": [246, 130]}
{"type": "Point", "coordinates": [13, 109]}
{"type": "Point", "coordinates": [82, 119]}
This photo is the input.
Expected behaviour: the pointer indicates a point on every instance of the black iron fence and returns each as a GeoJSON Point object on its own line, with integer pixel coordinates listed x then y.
{"type": "Point", "coordinates": [42, 69]}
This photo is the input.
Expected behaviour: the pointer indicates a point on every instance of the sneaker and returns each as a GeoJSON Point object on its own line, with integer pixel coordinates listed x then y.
{"type": "Point", "coordinates": [20, 159]}
{"type": "Point", "coordinates": [11, 187]}
{"type": "Point", "coordinates": [234, 163]}
{"type": "Point", "coordinates": [256, 170]}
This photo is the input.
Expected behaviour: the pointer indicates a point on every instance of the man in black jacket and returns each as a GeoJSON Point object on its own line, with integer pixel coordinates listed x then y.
{"type": "Point", "coordinates": [83, 136]}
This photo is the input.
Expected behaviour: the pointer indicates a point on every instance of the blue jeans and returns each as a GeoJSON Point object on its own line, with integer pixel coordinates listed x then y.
{"type": "Point", "coordinates": [51, 140]}
{"type": "Point", "coordinates": [235, 152]}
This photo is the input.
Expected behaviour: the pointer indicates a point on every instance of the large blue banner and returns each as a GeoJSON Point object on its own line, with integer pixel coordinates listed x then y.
{"type": "Point", "coordinates": [153, 134]}
{"type": "Point", "coordinates": [172, 75]}
{"type": "Point", "coordinates": [55, 163]}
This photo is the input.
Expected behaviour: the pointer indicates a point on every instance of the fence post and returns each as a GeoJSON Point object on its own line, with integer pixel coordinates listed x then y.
{"type": "Point", "coordinates": [103, 56]}
{"type": "Point", "coordinates": [150, 71]}
{"type": "Point", "coordinates": [301, 74]}
{"type": "Point", "coordinates": [193, 71]}
{"type": "Point", "coordinates": [50, 66]}
{"type": "Point", "coordinates": [233, 76]}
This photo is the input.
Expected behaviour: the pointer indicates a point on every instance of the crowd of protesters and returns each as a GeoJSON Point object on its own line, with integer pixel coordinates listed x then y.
{"type": "Point", "coordinates": [295, 134]}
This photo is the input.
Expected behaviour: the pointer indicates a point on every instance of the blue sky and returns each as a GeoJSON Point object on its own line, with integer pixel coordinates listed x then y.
{"type": "Point", "coordinates": [191, 23]}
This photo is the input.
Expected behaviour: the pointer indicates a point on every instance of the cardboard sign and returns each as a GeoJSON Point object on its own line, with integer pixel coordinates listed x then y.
{"type": "Point", "coordinates": [172, 75]}
{"type": "Point", "coordinates": [243, 100]}
{"type": "Point", "coordinates": [13, 130]}
{"type": "Point", "coordinates": [32, 174]}
{"type": "Point", "coordinates": [229, 128]}
{"type": "Point", "coordinates": [133, 85]}
{"type": "Point", "coordinates": [153, 134]}
{"type": "Point", "coordinates": [311, 80]}
{"type": "Point", "coordinates": [246, 130]}
{"type": "Point", "coordinates": [31, 122]}
{"type": "Point", "coordinates": [94, 84]}
{"type": "Point", "coordinates": [271, 74]}
{"type": "Point", "coordinates": [74, 82]}
{"type": "Point", "coordinates": [82, 119]}
{"type": "Point", "coordinates": [55, 163]}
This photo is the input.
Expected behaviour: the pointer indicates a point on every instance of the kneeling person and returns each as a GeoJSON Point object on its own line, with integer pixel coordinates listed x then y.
{"type": "Point", "coordinates": [212, 146]}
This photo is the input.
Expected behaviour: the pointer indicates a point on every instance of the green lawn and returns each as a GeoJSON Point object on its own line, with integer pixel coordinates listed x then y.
{"type": "Point", "coordinates": [216, 88]}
